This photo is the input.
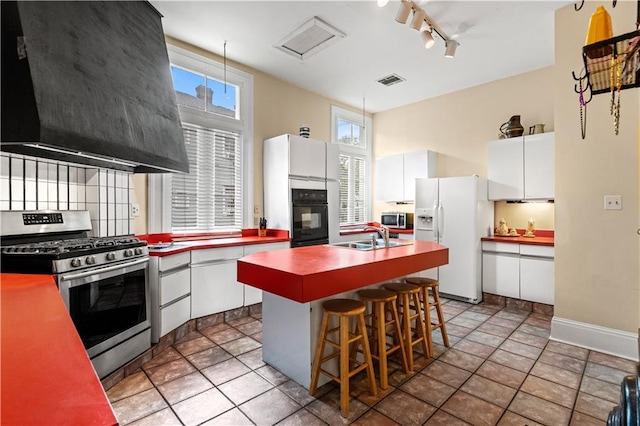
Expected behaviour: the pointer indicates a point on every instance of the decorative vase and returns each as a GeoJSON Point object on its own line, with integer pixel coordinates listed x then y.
{"type": "Point", "coordinates": [512, 128]}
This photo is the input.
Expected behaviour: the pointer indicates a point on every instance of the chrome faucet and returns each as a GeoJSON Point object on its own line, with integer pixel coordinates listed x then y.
{"type": "Point", "coordinates": [383, 231]}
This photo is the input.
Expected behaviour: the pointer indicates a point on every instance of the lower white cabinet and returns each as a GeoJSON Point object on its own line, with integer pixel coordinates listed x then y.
{"type": "Point", "coordinates": [501, 274]}
{"type": "Point", "coordinates": [214, 284]}
{"type": "Point", "coordinates": [170, 292]}
{"type": "Point", "coordinates": [253, 295]}
{"type": "Point", "coordinates": [519, 271]}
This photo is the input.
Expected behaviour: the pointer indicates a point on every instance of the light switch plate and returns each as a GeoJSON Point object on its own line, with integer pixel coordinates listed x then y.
{"type": "Point", "coordinates": [613, 202]}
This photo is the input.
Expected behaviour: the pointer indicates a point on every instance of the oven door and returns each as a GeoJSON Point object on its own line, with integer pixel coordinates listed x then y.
{"type": "Point", "coordinates": [310, 224]}
{"type": "Point", "coordinates": [107, 305]}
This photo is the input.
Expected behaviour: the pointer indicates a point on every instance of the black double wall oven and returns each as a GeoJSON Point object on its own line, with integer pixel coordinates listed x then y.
{"type": "Point", "coordinates": [310, 217]}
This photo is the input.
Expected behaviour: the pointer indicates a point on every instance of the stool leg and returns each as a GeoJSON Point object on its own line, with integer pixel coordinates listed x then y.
{"type": "Point", "coordinates": [398, 335]}
{"type": "Point", "coordinates": [344, 366]}
{"type": "Point", "coordinates": [382, 343]}
{"type": "Point", "coordinates": [443, 327]}
{"type": "Point", "coordinates": [406, 328]}
{"type": "Point", "coordinates": [427, 319]}
{"type": "Point", "coordinates": [315, 373]}
{"type": "Point", "coordinates": [420, 325]}
{"type": "Point", "coordinates": [367, 356]}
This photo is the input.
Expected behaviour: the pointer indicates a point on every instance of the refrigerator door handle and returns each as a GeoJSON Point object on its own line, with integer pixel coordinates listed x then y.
{"type": "Point", "coordinates": [440, 221]}
{"type": "Point", "coordinates": [436, 237]}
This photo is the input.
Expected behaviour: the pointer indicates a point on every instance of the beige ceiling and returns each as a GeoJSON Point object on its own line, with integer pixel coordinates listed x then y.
{"type": "Point", "coordinates": [497, 39]}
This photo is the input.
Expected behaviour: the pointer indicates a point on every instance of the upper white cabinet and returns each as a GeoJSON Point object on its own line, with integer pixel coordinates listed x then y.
{"type": "Point", "coordinates": [396, 175]}
{"type": "Point", "coordinates": [307, 157]}
{"type": "Point", "coordinates": [522, 168]}
{"type": "Point", "coordinates": [539, 163]}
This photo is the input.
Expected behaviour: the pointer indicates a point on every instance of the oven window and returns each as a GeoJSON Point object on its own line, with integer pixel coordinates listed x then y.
{"type": "Point", "coordinates": [311, 220]}
{"type": "Point", "coordinates": [105, 308]}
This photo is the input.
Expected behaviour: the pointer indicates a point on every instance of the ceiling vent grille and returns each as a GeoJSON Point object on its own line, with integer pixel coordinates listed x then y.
{"type": "Point", "coordinates": [391, 79]}
{"type": "Point", "coordinates": [309, 38]}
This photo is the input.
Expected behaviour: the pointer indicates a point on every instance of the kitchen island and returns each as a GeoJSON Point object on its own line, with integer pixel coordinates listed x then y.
{"type": "Point", "coordinates": [296, 281]}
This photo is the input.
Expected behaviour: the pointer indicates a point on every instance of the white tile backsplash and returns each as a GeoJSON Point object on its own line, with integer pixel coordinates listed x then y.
{"type": "Point", "coordinates": [39, 184]}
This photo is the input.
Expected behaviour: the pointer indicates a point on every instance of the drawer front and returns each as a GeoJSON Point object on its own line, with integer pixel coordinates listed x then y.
{"type": "Point", "coordinates": [256, 248]}
{"type": "Point", "coordinates": [174, 285]}
{"type": "Point", "coordinates": [175, 315]}
{"type": "Point", "coordinates": [500, 247]}
{"type": "Point", "coordinates": [223, 253]}
{"type": "Point", "coordinates": [167, 263]}
{"type": "Point", "coordinates": [539, 251]}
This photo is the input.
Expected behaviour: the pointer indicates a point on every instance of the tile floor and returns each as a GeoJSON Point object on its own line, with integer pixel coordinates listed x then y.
{"type": "Point", "coordinates": [501, 369]}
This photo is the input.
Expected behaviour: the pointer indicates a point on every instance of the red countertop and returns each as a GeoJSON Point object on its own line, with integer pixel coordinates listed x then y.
{"type": "Point", "coordinates": [182, 243]}
{"type": "Point", "coordinates": [305, 274]}
{"type": "Point", "coordinates": [542, 238]}
{"type": "Point", "coordinates": [47, 377]}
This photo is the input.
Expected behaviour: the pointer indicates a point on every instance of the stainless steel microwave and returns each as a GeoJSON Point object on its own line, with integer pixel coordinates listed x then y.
{"type": "Point", "coordinates": [400, 220]}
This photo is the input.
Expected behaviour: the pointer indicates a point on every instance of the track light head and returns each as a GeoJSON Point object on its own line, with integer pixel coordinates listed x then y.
{"type": "Point", "coordinates": [427, 38]}
{"type": "Point", "coordinates": [418, 19]}
{"type": "Point", "coordinates": [450, 48]}
{"type": "Point", "coordinates": [382, 3]}
{"type": "Point", "coordinates": [403, 11]}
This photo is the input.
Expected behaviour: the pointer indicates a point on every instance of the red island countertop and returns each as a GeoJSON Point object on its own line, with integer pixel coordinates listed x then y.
{"type": "Point", "coordinates": [47, 376]}
{"type": "Point", "coordinates": [187, 242]}
{"type": "Point", "coordinates": [305, 274]}
{"type": "Point", "coordinates": [542, 238]}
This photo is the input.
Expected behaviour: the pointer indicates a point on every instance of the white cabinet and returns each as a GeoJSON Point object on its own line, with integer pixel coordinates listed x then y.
{"type": "Point", "coordinates": [522, 168]}
{"type": "Point", "coordinates": [396, 175]}
{"type": "Point", "coordinates": [536, 273]}
{"type": "Point", "coordinates": [506, 169]}
{"type": "Point", "coordinates": [253, 295]}
{"type": "Point", "coordinates": [519, 271]}
{"type": "Point", "coordinates": [170, 292]}
{"type": "Point", "coordinates": [307, 157]}
{"type": "Point", "coordinates": [214, 284]}
{"type": "Point", "coordinates": [539, 163]}
{"type": "Point", "coordinates": [501, 270]}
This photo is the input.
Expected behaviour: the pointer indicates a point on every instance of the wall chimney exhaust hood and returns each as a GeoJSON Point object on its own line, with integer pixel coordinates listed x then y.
{"type": "Point", "coordinates": [89, 83]}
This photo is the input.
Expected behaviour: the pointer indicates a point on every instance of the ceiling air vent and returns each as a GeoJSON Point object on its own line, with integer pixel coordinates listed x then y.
{"type": "Point", "coordinates": [309, 38]}
{"type": "Point", "coordinates": [391, 79]}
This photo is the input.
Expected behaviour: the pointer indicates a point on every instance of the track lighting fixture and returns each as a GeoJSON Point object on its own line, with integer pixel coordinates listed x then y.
{"type": "Point", "coordinates": [450, 48]}
{"type": "Point", "coordinates": [427, 39]}
{"type": "Point", "coordinates": [418, 19]}
{"type": "Point", "coordinates": [421, 20]}
{"type": "Point", "coordinates": [403, 11]}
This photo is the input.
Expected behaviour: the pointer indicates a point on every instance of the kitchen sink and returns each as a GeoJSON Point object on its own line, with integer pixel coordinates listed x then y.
{"type": "Point", "coordinates": [367, 245]}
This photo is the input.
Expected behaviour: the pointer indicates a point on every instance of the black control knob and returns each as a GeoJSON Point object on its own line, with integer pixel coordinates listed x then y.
{"type": "Point", "coordinates": [90, 260]}
{"type": "Point", "coordinates": [128, 253]}
{"type": "Point", "coordinates": [138, 250]}
{"type": "Point", "coordinates": [76, 261]}
{"type": "Point", "coordinates": [111, 256]}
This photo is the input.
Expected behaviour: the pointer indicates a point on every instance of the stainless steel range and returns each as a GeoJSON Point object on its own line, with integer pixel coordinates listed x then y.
{"type": "Point", "coordinates": [102, 280]}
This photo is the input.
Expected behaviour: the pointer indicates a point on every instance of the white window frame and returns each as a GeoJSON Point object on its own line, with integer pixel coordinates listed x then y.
{"type": "Point", "coordinates": [159, 185]}
{"type": "Point", "coordinates": [356, 117]}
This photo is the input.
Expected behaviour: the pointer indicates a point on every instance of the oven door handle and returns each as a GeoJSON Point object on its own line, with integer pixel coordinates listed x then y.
{"type": "Point", "coordinates": [106, 269]}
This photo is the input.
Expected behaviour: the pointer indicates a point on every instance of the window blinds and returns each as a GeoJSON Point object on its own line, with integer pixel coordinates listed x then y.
{"type": "Point", "coordinates": [353, 194]}
{"type": "Point", "coordinates": [210, 196]}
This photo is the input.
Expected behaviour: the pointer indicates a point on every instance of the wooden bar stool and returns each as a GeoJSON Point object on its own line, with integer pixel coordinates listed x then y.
{"type": "Point", "coordinates": [344, 309]}
{"type": "Point", "coordinates": [383, 306]}
{"type": "Point", "coordinates": [409, 309]}
{"type": "Point", "coordinates": [425, 285]}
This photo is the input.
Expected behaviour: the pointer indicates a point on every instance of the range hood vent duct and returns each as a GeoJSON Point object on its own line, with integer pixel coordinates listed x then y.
{"type": "Point", "coordinates": [89, 83]}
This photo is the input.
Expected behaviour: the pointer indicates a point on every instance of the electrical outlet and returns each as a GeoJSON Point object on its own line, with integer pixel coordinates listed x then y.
{"type": "Point", "coordinates": [613, 202]}
{"type": "Point", "coordinates": [135, 210]}
{"type": "Point", "coordinates": [256, 209]}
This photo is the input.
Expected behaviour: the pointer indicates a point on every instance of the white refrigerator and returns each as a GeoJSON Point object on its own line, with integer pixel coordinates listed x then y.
{"type": "Point", "coordinates": [455, 213]}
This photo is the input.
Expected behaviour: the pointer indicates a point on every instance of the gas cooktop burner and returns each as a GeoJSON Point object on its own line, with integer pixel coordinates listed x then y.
{"type": "Point", "coordinates": [74, 245]}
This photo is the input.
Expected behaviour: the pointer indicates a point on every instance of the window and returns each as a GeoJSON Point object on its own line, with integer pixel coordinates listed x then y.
{"type": "Point", "coordinates": [354, 138]}
{"type": "Point", "coordinates": [215, 108]}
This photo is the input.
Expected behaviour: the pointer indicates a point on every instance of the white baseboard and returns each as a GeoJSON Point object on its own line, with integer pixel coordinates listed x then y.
{"type": "Point", "coordinates": [607, 340]}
